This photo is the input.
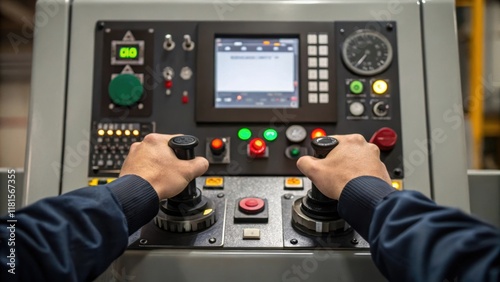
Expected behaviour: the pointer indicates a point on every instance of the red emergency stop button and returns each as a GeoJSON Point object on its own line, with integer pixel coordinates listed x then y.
{"type": "Point", "coordinates": [251, 205]}
{"type": "Point", "coordinates": [257, 147]}
{"type": "Point", "coordinates": [385, 138]}
{"type": "Point", "coordinates": [217, 146]}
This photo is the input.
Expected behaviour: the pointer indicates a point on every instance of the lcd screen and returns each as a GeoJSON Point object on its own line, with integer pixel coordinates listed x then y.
{"type": "Point", "coordinates": [256, 73]}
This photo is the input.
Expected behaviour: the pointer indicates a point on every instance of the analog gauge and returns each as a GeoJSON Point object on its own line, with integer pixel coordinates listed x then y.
{"type": "Point", "coordinates": [367, 52]}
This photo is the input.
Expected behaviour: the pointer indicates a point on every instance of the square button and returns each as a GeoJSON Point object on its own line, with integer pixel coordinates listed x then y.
{"type": "Point", "coordinates": [312, 38]}
{"type": "Point", "coordinates": [312, 50]}
{"type": "Point", "coordinates": [323, 38]}
{"type": "Point", "coordinates": [323, 50]}
{"type": "Point", "coordinates": [251, 233]}
{"type": "Point", "coordinates": [313, 98]}
{"type": "Point", "coordinates": [323, 98]}
{"type": "Point", "coordinates": [313, 86]}
{"type": "Point", "coordinates": [312, 74]}
{"type": "Point", "coordinates": [323, 62]}
{"type": "Point", "coordinates": [294, 183]}
{"type": "Point", "coordinates": [323, 86]}
{"type": "Point", "coordinates": [214, 183]}
{"type": "Point", "coordinates": [323, 74]}
{"type": "Point", "coordinates": [312, 62]}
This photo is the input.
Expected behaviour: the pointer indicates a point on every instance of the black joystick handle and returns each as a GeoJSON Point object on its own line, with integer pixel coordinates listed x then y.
{"type": "Point", "coordinates": [183, 147]}
{"type": "Point", "coordinates": [322, 146]}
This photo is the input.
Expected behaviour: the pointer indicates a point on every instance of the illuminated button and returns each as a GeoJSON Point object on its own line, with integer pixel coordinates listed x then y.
{"type": "Point", "coordinates": [397, 184]}
{"type": "Point", "coordinates": [214, 183]}
{"type": "Point", "coordinates": [323, 62]}
{"type": "Point", "coordinates": [324, 98]}
{"type": "Point", "coordinates": [380, 87]}
{"type": "Point", "coordinates": [312, 62]}
{"type": "Point", "coordinates": [312, 74]}
{"type": "Point", "coordinates": [251, 234]}
{"type": "Point", "coordinates": [125, 90]}
{"type": "Point", "coordinates": [109, 132]}
{"type": "Point", "coordinates": [217, 146]}
{"type": "Point", "coordinates": [312, 98]}
{"type": "Point", "coordinates": [257, 147]}
{"type": "Point", "coordinates": [295, 151]}
{"type": "Point", "coordinates": [323, 50]}
{"type": "Point", "coordinates": [323, 74]}
{"type": "Point", "coordinates": [312, 38]}
{"type": "Point", "coordinates": [244, 134]}
{"type": "Point", "coordinates": [323, 38]}
{"type": "Point", "coordinates": [313, 86]}
{"type": "Point", "coordinates": [127, 132]}
{"type": "Point", "coordinates": [385, 139]}
{"type": "Point", "coordinates": [118, 132]}
{"type": "Point", "coordinates": [312, 50]}
{"type": "Point", "coordinates": [356, 109]}
{"type": "Point", "coordinates": [318, 132]}
{"type": "Point", "coordinates": [323, 86]}
{"type": "Point", "coordinates": [294, 183]}
{"type": "Point", "coordinates": [101, 132]}
{"type": "Point", "coordinates": [168, 84]}
{"type": "Point", "coordinates": [356, 87]}
{"type": "Point", "coordinates": [251, 205]}
{"type": "Point", "coordinates": [135, 132]}
{"type": "Point", "coordinates": [270, 134]}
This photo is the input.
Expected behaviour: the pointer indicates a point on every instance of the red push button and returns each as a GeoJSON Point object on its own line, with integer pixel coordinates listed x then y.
{"type": "Point", "coordinates": [251, 205]}
{"type": "Point", "coordinates": [318, 132]}
{"type": "Point", "coordinates": [257, 147]}
{"type": "Point", "coordinates": [385, 138]}
{"type": "Point", "coordinates": [217, 146]}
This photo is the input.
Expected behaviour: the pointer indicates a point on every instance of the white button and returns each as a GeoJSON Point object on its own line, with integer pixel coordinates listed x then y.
{"type": "Point", "coordinates": [323, 50]}
{"type": "Point", "coordinates": [323, 86]}
{"type": "Point", "coordinates": [312, 38]}
{"type": "Point", "coordinates": [313, 74]}
{"type": "Point", "coordinates": [323, 74]}
{"type": "Point", "coordinates": [312, 50]}
{"type": "Point", "coordinates": [313, 98]}
{"type": "Point", "coordinates": [323, 98]}
{"type": "Point", "coordinates": [323, 38]}
{"type": "Point", "coordinates": [251, 233]}
{"type": "Point", "coordinates": [323, 62]}
{"type": "Point", "coordinates": [312, 62]}
{"type": "Point", "coordinates": [356, 109]}
{"type": "Point", "coordinates": [313, 86]}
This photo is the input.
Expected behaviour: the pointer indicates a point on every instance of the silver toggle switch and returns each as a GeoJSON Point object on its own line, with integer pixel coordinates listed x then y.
{"type": "Point", "coordinates": [169, 43]}
{"type": "Point", "coordinates": [188, 44]}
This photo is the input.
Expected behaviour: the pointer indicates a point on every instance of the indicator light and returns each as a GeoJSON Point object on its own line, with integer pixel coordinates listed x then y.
{"type": "Point", "coordinates": [109, 132]}
{"type": "Point", "coordinates": [257, 147]}
{"type": "Point", "coordinates": [217, 146]}
{"type": "Point", "coordinates": [397, 184]}
{"type": "Point", "coordinates": [270, 134]}
{"type": "Point", "coordinates": [168, 84]}
{"type": "Point", "coordinates": [135, 132]}
{"type": "Point", "coordinates": [380, 87]}
{"type": "Point", "coordinates": [266, 42]}
{"type": "Point", "coordinates": [118, 132]}
{"type": "Point", "coordinates": [100, 132]}
{"type": "Point", "coordinates": [127, 132]}
{"type": "Point", "coordinates": [356, 87]}
{"type": "Point", "coordinates": [244, 133]}
{"type": "Point", "coordinates": [294, 152]}
{"type": "Point", "coordinates": [318, 132]}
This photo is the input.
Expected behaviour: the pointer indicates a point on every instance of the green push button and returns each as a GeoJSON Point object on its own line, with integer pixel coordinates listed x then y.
{"type": "Point", "coordinates": [125, 89]}
{"type": "Point", "coordinates": [270, 134]}
{"type": "Point", "coordinates": [356, 87]}
{"type": "Point", "coordinates": [244, 133]}
{"type": "Point", "coordinates": [294, 152]}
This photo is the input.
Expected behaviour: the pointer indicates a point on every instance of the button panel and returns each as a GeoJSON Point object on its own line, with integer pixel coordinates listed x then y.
{"type": "Point", "coordinates": [318, 51]}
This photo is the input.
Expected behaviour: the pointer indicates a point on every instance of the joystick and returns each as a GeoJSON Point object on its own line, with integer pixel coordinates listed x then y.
{"type": "Point", "coordinates": [315, 213]}
{"type": "Point", "coordinates": [188, 211]}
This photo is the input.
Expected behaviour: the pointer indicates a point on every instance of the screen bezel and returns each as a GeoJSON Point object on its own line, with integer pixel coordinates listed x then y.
{"type": "Point", "coordinates": [205, 86]}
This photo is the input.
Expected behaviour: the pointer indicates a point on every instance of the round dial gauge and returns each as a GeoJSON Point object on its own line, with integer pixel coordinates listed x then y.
{"type": "Point", "coordinates": [367, 52]}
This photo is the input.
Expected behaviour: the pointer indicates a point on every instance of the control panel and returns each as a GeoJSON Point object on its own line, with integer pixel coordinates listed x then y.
{"type": "Point", "coordinates": [252, 98]}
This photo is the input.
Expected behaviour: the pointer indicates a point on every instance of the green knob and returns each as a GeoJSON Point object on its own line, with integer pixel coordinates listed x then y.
{"type": "Point", "coordinates": [356, 87]}
{"type": "Point", "coordinates": [125, 89]}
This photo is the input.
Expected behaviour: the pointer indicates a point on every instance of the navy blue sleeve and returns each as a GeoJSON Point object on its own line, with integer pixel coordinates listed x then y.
{"type": "Point", "coordinates": [76, 236]}
{"type": "Point", "coordinates": [413, 239]}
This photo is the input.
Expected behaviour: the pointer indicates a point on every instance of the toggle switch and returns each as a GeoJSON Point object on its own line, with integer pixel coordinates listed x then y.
{"type": "Point", "coordinates": [188, 44]}
{"type": "Point", "coordinates": [169, 43]}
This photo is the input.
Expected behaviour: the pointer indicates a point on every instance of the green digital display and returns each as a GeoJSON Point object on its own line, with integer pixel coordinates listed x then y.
{"type": "Point", "coordinates": [127, 52]}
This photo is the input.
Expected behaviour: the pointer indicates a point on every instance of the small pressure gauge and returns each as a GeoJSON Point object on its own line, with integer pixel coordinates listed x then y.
{"type": "Point", "coordinates": [367, 52]}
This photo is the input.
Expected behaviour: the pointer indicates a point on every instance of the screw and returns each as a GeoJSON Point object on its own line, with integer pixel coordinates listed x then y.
{"type": "Point", "coordinates": [389, 27]}
{"type": "Point", "coordinates": [354, 241]}
{"type": "Point", "coordinates": [294, 241]}
{"type": "Point", "coordinates": [220, 195]}
{"type": "Point", "coordinates": [100, 25]}
{"type": "Point", "coordinates": [212, 240]}
{"type": "Point", "coordinates": [288, 196]}
{"type": "Point", "coordinates": [397, 171]}
{"type": "Point", "coordinates": [143, 241]}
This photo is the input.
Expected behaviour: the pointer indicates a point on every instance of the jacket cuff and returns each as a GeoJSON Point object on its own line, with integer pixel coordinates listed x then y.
{"type": "Point", "coordinates": [358, 201]}
{"type": "Point", "coordinates": [138, 199]}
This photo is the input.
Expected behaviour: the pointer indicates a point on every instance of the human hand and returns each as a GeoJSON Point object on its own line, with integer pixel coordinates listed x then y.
{"type": "Point", "coordinates": [153, 160]}
{"type": "Point", "coordinates": [352, 157]}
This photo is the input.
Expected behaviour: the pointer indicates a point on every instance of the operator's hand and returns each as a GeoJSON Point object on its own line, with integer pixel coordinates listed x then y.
{"type": "Point", "coordinates": [153, 160]}
{"type": "Point", "coordinates": [352, 157]}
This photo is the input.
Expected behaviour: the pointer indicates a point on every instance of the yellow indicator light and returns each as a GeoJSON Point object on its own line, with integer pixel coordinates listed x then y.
{"type": "Point", "coordinates": [293, 183]}
{"type": "Point", "coordinates": [127, 132]}
{"type": "Point", "coordinates": [94, 181]}
{"type": "Point", "coordinates": [214, 183]}
{"type": "Point", "coordinates": [277, 44]}
{"type": "Point", "coordinates": [207, 211]}
{"type": "Point", "coordinates": [118, 132]}
{"type": "Point", "coordinates": [266, 42]}
{"type": "Point", "coordinates": [110, 132]}
{"type": "Point", "coordinates": [397, 184]}
{"type": "Point", "coordinates": [135, 132]}
{"type": "Point", "coordinates": [380, 87]}
{"type": "Point", "coordinates": [100, 132]}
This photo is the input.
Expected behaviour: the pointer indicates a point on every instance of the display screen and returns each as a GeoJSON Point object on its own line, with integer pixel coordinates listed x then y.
{"type": "Point", "coordinates": [256, 73]}
{"type": "Point", "coordinates": [127, 52]}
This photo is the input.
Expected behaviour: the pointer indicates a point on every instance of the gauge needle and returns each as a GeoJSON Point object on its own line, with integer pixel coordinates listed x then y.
{"type": "Point", "coordinates": [362, 59]}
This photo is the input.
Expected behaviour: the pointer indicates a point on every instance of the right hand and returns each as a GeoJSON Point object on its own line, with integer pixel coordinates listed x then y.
{"type": "Point", "coordinates": [353, 157]}
{"type": "Point", "coordinates": [153, 160]}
